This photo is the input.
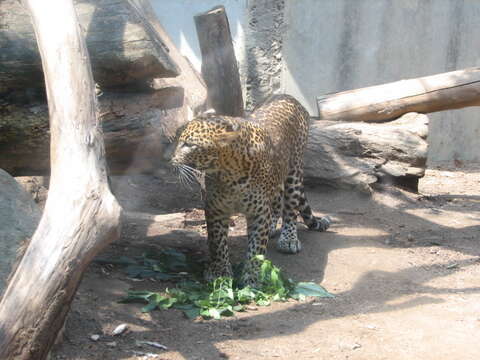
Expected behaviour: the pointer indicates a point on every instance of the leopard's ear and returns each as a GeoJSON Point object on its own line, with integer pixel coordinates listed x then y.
{"type": "Point", "coordinates": [227, 138]}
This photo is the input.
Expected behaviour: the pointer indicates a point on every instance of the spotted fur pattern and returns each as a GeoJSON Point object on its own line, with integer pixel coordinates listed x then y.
{"type": "Point", "coordinates": [252, 166]}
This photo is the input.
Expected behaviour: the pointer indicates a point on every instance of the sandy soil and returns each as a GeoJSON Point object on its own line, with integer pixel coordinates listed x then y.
{"type": "Point", "coordinates": [405, 269]}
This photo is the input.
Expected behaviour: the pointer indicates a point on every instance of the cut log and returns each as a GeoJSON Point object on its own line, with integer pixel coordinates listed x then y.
{"type": "Point", "coordinates": [446, 91]}
{"type": "Point", "coordinates": [137, 127]}
{"type": "Point", "coordinates": [219, 66]}
{"type": "Point", "coordinates": [81, 216]}
{"type": "Point", "coordinates": [361, 154]}
{"type": "Point", "coordinates": [123, 46]}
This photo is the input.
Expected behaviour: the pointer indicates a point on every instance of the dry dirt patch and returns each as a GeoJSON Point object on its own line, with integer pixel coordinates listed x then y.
{"type": "Point", "coordinates": [405, 269]}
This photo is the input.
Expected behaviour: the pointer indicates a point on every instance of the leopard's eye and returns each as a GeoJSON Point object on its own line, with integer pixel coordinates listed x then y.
{"type": "Point", "coordinates": [190, 145]}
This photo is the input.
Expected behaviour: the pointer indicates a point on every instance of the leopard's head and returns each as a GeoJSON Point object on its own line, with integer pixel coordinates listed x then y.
{"type": "Point", "coordinates": [201, 142]}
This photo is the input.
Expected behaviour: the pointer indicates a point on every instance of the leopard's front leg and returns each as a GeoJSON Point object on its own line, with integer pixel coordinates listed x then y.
{"type": "Point", "coordinates": [219, 266]}
{"type": "Point", "coordinates": [258, 228]}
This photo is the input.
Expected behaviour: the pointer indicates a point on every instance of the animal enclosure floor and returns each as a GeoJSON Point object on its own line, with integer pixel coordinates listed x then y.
{"type": "Point", "coordinates": [405, 270]}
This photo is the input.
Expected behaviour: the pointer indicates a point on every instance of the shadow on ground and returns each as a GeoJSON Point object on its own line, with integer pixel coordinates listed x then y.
{"type": "Point", "coordinates": [388, 255]}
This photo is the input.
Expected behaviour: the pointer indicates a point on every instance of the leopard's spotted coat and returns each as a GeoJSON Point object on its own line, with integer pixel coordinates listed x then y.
{"type": "Point", "coordinates": [253, 166]}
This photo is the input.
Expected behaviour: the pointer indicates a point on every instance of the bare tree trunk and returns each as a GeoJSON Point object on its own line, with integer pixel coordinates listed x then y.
{"type": "Point", "coordinates": [219, 66]}
{"type": "Point", "coordinates": [446, 91]}
{"type": "Point", "coordinates": [81, 215]}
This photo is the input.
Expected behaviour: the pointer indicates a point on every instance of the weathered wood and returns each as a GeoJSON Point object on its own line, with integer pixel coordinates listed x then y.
{"type": "Point", "coordinates": [361, 154]}
{"type": "Point", "coordinates": [219, 66]}
{"type": "Point", "coordinates": [136, 126]}
{"type": "Point", "coordinates": [446, 91]}
{"type": "Point", "coordinates": [81, 216]}
{"type": "Point", "coordinates": [123, 46]}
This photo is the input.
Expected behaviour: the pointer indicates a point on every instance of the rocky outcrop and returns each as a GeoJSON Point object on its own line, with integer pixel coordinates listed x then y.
{"type": "Point", "coordinates": [19, 217]}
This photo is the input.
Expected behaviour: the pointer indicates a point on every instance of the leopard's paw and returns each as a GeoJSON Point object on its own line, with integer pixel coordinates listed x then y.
{"type": "Point", "coordinates": [321, 224]}
{"type": "Point", "coordinates": [288, 243]}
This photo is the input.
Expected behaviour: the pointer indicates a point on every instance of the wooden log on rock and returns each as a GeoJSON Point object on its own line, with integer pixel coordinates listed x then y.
{"type": "Point", "coordinates": [137, 128]}
{"type": "Point", "coordinates": [81, 216]}
{"type": "Point", "coordinates": [446, 91]}
{"type": "Point", "coordinates": [219, 66]}
{"type": "Point", "coordinates": [123, 45]}
{"type": "Point", "coordinates": [360, 154]}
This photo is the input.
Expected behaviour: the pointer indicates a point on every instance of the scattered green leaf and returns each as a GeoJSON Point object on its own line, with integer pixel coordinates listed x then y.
{"type": "Point", "coordinates": [311, 289]}
{"type": "Point", "coordinates": [222, 297]}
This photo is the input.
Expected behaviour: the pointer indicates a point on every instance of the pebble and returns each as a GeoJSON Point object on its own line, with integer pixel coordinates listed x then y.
{"type": "Point", "coordinates": [119, 329]}
{"type": "Point", "coordinates": [94, 337]}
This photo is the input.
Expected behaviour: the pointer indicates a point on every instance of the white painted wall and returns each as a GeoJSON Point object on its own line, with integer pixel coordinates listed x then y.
{"type": "Point", "coordinates": [177, 18]}
{"type": "Point", "coordinates": [336, 45]}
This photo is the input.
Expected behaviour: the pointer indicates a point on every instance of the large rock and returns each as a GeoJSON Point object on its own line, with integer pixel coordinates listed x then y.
{"type": "Point", "coordinates": [19, 217]}
{"type": "Point", "coordinates": [360, 155]}
{"type": "Point", "coordinates": [122, 44]}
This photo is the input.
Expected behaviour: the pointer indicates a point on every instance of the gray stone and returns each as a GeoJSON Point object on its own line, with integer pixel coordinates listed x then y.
{"type": "Point", "coordinates": [19, 217]}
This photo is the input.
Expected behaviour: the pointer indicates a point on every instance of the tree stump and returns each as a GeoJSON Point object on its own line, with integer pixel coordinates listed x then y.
{"type": "Point", "coordinates": [219, 66]}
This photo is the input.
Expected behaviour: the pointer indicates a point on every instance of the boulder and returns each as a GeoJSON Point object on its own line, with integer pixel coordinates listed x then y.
{"type": "Point", "coordinates": [19, 217]}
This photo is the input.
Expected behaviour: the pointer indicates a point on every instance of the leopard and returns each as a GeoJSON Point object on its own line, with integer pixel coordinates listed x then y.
{"type": "Point", "coordinates": [252, 166]}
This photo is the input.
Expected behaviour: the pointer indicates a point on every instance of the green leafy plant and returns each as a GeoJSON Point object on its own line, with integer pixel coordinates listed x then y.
{"type": "Point", "coordinates": [222, 297]}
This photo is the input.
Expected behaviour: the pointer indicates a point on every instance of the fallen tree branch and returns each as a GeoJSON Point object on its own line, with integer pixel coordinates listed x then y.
{"type": "Point", "coordinates": [446, 91]}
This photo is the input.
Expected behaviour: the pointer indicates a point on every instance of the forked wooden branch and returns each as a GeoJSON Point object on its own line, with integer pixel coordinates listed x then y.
{"type": "Point", "coordinates": [81, 215]}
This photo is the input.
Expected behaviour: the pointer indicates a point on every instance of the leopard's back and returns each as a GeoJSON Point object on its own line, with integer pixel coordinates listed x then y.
{"type": "Point", "coordinates": [286, 122]}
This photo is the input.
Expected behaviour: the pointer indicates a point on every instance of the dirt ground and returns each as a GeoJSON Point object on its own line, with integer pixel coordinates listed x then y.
{"type": "Point", "coordinates": [404, 268]}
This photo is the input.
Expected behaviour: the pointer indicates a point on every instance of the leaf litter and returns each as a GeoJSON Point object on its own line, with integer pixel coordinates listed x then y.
{"type": "Point", "coordinates": [222, 297]}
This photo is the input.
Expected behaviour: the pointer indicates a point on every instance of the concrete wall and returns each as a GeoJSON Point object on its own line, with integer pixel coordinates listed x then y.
{"type": "Point", "coordinates": [257, 31]}
{"type": "Point", "coordinates": [177, 18]}
{"type": "Point", "coordinates": [335, 45]}
{"type": "Point", "coordinates": [312, 47]}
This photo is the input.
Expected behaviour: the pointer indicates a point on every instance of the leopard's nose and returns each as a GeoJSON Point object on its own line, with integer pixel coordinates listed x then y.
{"type": "Point", "coordinates": [174, 161]}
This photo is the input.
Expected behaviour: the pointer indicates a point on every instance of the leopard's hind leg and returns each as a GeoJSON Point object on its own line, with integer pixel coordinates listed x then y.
{"type": "Point", "coordinates": [295, 201]}
{"type": "Point", "coordinates": [288, 241]}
